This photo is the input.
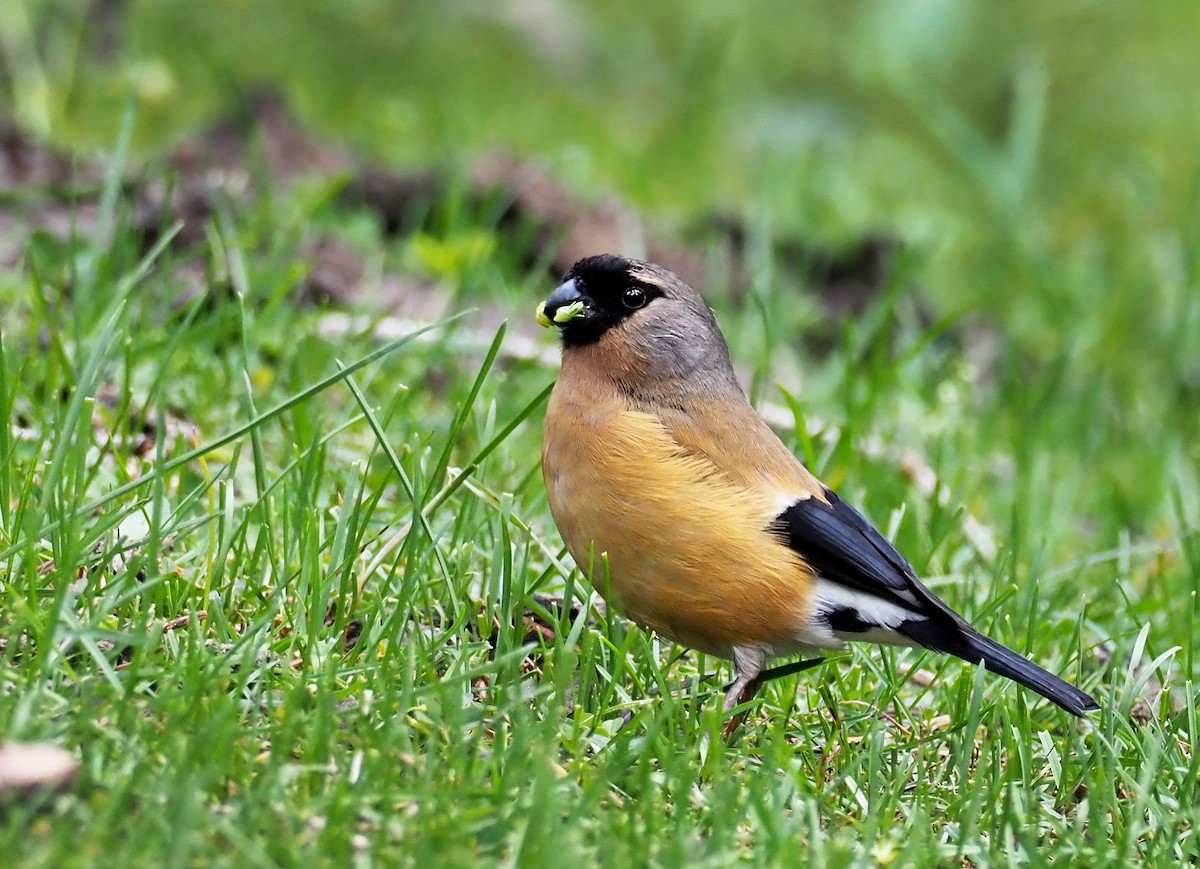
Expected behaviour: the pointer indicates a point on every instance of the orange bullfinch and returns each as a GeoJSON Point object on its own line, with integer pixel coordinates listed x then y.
{"type": "Point", "coordinates": [691, 516]}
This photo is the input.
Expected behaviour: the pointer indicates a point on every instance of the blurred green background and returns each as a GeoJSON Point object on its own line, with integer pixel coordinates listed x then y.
{"type": "Point", "coordinates": [1017, 144]}
{"type": "Point", "coordinates": [1039, 160]}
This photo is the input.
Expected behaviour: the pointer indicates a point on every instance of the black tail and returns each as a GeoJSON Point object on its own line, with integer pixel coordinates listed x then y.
{"type": "Point", "coordinates": [972, 646]}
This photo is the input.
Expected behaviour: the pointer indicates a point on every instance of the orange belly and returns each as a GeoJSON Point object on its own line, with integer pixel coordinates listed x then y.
{"type": "Point", "coordinates": [674, 544]}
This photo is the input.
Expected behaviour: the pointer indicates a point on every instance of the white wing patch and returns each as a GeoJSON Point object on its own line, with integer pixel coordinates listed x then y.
{"type": "Point", "coordinates": [867, 608]}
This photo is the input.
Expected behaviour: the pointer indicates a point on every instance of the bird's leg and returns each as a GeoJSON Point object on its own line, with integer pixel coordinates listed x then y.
{"type": "Point", "coordinates": [751, 678]}
{"type": "Point", "coordinates": [748, 663]}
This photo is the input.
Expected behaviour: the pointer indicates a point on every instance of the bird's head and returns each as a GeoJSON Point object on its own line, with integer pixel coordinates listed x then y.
{"type": "Point", "coordinates": [640, 323]}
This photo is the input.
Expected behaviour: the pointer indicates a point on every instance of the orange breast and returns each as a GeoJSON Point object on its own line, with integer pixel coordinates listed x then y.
{"type": "Point", "coordinates": [677, 545]}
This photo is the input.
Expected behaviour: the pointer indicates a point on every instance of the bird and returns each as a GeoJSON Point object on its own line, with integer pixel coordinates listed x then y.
{"type": "Point", "coordinates": [687, 511]}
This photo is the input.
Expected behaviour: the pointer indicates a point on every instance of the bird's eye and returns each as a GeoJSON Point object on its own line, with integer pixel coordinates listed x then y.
{"type": "Point", "coordinates": [633, 298]}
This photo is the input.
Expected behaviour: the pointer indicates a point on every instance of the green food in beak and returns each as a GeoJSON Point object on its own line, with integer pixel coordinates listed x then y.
{"type": "Point", "coordinates": [568, 312]}
{"type": "Point", "coordinates": [563, 315]}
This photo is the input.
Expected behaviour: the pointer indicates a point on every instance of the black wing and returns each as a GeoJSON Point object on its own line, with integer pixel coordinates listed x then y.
{"type": "Point", "coordinates": [845, 548]}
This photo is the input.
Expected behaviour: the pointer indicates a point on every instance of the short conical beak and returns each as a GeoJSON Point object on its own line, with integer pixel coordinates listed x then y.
{"type": "Point", "coordinates": [561, 306]}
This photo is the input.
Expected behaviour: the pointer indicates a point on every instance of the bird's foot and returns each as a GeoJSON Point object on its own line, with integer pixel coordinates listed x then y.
{"type": "Point", "coordinates": [745, 686]}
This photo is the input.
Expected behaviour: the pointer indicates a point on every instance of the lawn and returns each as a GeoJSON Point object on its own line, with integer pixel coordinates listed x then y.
{"type": "Point", "coordinates": [276, 563]}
